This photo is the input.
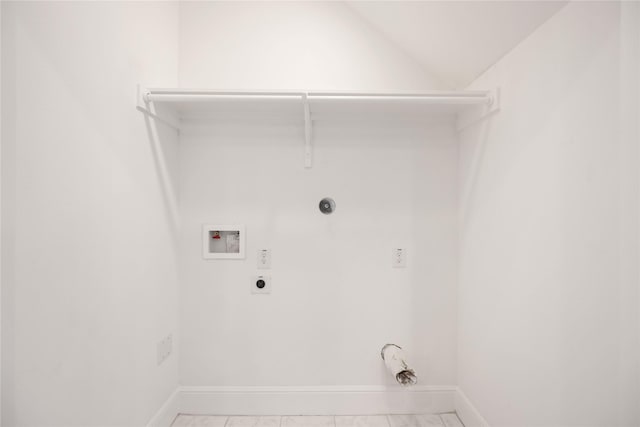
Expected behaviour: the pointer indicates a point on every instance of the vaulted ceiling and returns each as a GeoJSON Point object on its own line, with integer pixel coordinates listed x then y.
{"type": "Point", "coordinates": [456, 40]}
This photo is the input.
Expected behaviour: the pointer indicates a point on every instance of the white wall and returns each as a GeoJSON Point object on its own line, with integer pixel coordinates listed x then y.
{"type": "Point", "coordinates": [89, 268]}
{"type": "Point", "coordinates": [629, 291]}
{"type": "Point", "coordinates": [548, 252]}
{"type": "Point", "coordinates": [548, 221]}
{"type": "Point", "coordinates": [0, 216]}
{"type": "Point", "coordinates": [336, 299]}
{"type": "Point", "coordinates": [290, 45]}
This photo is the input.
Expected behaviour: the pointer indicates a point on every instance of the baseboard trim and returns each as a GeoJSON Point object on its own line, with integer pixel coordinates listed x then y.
{"type": "Point", "coordinates": [317, 400]}
{"type": "Point", "coordinates": [338, 400]}
{"type": "Point", "coordinates": [167, 412]}
{"type": "Point", "coordinates": [467, 412]}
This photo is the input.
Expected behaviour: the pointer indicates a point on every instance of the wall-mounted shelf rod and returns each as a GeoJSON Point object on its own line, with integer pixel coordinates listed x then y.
{"type": "Point", "coordinates": [466, 97]}
{"type": "Point", "coordinates": [204, 97]}
{"type": "Point", "coordinates": [191, 95]}
{"type": "Point", "coordinates": [171, 105]}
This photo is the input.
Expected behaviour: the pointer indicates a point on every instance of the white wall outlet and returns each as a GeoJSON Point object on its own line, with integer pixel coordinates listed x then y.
{"type": "Point", "coordinates": [399, 258]}
{"type": "Point", "coordinates": [261, 285]}
{"type": "Point", "coordinates": [164, 348]}
{"type": "Point", "coordinates": [264, 259]}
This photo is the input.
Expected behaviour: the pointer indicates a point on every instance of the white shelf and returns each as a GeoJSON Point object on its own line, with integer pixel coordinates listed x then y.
{"type": "Point", "coordinates": [175, 106]}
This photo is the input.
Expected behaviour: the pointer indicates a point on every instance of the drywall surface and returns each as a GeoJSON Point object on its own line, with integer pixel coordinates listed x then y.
{"type": "Point", "coordinates": [89, 269]}
{"type": "Point", "coordinates": [548, 251]}
{"type": "Point", "coordinates": [291, 45]}
{"type": "Point", "coordinates": [629, 290]}
{"type": "Point", "coordinates": [456, 40]}
{"type": "Point", "coordinates": [336, 300]}
{"type": "Point", "coordinates": [0, 217]}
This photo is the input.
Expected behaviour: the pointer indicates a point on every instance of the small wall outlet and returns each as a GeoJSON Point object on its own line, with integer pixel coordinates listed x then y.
{"type": "Point", "coordinates": [164, 348]}
{"type": "Point", "coordinates": [261, 285]}
{"type": "Point", "coordinates": [399, 258]}
{"type": "Point", "coordinates": [264, 258]}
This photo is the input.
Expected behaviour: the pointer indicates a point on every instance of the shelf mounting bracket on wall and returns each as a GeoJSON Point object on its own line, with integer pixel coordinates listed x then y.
{"type": "Point", "coordinates": [144, 105]}
{"type": "Point", "coordinates": [468, 119]}
{"type": "Point", "coordinates": [174, 106]}
{"type": "Point", "coordinates": [308, 132]}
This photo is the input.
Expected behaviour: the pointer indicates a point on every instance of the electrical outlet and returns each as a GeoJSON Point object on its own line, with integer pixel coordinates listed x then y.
{"type": "Point", "coordinates": [164, 348]}
{"type": "Point", "coordinates": [264, 259]}
{"type": "Point", "coordinates": [399, 258]}
{"type": "Point", "coordinates": [261, 285]}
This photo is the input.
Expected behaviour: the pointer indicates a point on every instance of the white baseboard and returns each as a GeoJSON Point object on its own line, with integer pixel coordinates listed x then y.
{"type": "Point", "coordinates": [320, 400]}
{"type": "Point", "coordinates": [168, 412]}
{"type": "Point", "coordinates": [468, 413]}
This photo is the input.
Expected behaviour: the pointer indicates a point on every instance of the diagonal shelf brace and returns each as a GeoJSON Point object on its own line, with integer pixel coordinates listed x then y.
{"type": "Point", "coordinates": [145, 106]}
{"type": "Point", "coordinates": [308, 132]}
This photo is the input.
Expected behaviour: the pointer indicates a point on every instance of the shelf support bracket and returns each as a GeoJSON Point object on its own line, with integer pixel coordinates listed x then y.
{"type": "Point", "coordinates": [145, 106]}
{"type": "Point", "coordinates": [477, 115]}
{"type": "Point", "coordinates": [308, 132]}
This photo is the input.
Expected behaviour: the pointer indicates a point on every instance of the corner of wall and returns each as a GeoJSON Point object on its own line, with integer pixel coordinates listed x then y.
{"type": "Point", "coordinates": [467, 412]}
{"type": "Point", "coordinates": [167, 412]}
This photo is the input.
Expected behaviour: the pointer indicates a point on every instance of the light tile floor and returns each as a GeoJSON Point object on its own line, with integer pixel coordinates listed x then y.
{"type": "Point", "coordinates": [442, 420]}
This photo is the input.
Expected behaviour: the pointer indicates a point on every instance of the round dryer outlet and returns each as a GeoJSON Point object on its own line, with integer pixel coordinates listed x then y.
{"type": "Point", "coordinates": [261, 285]}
